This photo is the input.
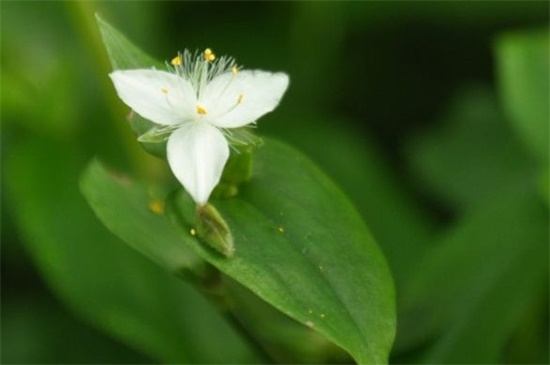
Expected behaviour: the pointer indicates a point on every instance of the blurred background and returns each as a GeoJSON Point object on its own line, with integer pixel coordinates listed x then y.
{"type": "Point", "coordinates": [431, 116]}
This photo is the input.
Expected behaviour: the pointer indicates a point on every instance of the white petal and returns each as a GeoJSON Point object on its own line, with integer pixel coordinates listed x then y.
{"type": "Point", "coordinates": [197, 154]}
{"type": "Point", "coordinates": [159, 96]}
{"type": "Point", "coordinates": [236, 100]}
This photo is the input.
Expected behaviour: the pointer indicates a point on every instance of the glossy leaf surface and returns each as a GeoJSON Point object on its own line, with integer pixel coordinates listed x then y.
{"type": "Point", "coordinates": [300, 246]}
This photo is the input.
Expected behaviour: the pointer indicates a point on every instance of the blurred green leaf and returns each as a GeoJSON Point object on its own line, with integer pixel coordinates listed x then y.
{"type": "Point", "coordinates": [471, 156]}
{"type": "Point", "coordinates": [122, 53]}
{"type": "Point", "coordinates": [36, 330]}
{"type": "Point", "coordinates": [523, 70]}
{"type": "Point", "coordinates": [299, 243]}
{"type": "Point", "coordinates": [530, 343]}
{"type": "Point", "coordinates": [480, 281]}
{"type": "Point", "coordinates": [30, 95]}
{"type": "Point", "coordinates": [98, 277]}
{"type": "Point", "coordinates": [544, 184]}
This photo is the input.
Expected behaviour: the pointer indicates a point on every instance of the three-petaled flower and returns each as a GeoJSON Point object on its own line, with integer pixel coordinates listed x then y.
{"type": "Point", "coordinates": [194, 103]}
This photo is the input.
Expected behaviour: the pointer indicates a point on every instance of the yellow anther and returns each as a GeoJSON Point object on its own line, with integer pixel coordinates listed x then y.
{"type": "Point", "coordinates": [240, 99]}
{"type": "Point", "coordinates": [156, 206]}
{"type": "Point", "coordinates": [201, 110]}
{"type": "Point", "coordinates": [209, 55]}
{"type": "Point", "coordinates": [164, 90]}
{"type": "Point", "coordinates": [193, 232]}
{"type": "Point", "coordinates": [176, 61]}
{"type": "Point", "coordinates": [234, 70]}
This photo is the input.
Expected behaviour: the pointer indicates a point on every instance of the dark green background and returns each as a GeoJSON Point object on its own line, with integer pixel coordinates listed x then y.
{"type": "Point", "coordinates": [401, 103]}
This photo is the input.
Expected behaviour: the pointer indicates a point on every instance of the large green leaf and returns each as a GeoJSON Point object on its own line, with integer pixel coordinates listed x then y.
{"type": "Point", "coordinates": [300, 245]}
{"type": "Point", "coordinates": [143, 227]}
{"type": "Point", "coordinates": [109, 285]}
{"type": "Point", "coordinates": [523, 65]}
{"type": "Point", "coordinates": [480, 282]}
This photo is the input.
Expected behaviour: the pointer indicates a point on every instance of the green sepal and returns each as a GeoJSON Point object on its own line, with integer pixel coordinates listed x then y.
{"type": "Point", "coordinates": [152, 137]}
{"type": "Point", "coordinates": [157, 134]}
{"type": "Point", "coordinates": [243, 138]}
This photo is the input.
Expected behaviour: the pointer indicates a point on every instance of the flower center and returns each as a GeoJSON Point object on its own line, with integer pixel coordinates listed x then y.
{"type": "Point", "coordinates": [201, 109]}
{"type": "Point", "coordinates": [199, 69]}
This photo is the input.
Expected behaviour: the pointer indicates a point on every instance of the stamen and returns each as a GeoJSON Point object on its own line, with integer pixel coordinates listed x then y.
{"type": "Point", "coordinates": [240, 99]}
{"type": "Point", "coordinates": [201, 110]}
{"type": "Point", "coordinates": [176, 61]}
{"type": "Point", "coordinates": [199, 68]}
{"type": "Point", "coordinates": [209, 55]}
{"type": "Point", "coordinates": [164, 90]}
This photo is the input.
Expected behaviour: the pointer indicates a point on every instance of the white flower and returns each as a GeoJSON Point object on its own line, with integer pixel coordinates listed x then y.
{"type": "Point", "coordinates": [194, 104]}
